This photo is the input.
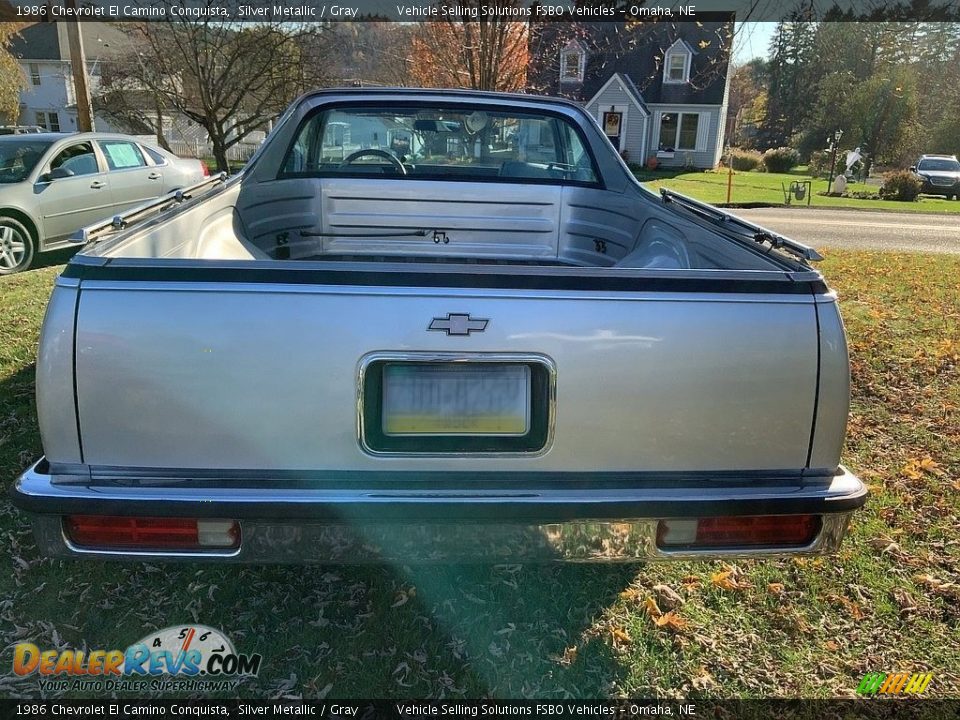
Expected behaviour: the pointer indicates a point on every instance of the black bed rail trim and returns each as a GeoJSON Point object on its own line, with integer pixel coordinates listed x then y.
{"type": "Point", "coordinates": [429, 479]}
{"type": "Point", "coordinates": [454, 276]}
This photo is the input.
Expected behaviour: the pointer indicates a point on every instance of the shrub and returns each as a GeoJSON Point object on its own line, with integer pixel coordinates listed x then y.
{"type": "Point", "coordinates": [744, 160]}
{"type": "Point", "coordinates": [819, 162]}
{"type": "Point", "coordinates": [780, 160]}
{"type": "Point", "coordinates": [900, 185]}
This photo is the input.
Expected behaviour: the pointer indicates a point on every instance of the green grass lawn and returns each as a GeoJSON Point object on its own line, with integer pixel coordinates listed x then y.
{"type": "Point", "coordinates": [755, 187]}
{"type": "Point", "coordinates": [806, 627]}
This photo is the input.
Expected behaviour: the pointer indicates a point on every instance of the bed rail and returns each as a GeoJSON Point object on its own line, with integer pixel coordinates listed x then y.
{"type": "Point", "coordinates": [99, 230]}
{"type": "Point", "coordinates": [753, 231]}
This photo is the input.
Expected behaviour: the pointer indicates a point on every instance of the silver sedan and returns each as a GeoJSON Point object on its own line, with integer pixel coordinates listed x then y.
{"type": "Point", "coordinates": [53, 184]}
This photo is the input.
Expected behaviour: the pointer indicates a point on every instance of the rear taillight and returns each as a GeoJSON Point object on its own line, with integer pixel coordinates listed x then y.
{"type": "Point", "coordinates": [731, 532]}
{"type": "Point", "coordinates": [204, 169]}
{"type": "Point", "coordinates": [151, 533]}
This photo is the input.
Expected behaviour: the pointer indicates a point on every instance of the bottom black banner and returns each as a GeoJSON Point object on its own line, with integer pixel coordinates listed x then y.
{"type": "Point", "coordinates": [376, 709]}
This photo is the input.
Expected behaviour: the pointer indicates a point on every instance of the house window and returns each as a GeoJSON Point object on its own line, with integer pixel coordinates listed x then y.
{"type": "Point", "coordinates": [678, 131]}
{"type": "Point", "coordinates": [687, 139]}
{"type": "Point", "coordinates": [34, 74]}
{"type": "Point", "coordinates": [49, 121]}
{"type": "Point", "coordinates": [573, 60]}
{"type": "Point", "coordinates": [677, 67]}
{"type": "Point", "coordinates": [571, 66]}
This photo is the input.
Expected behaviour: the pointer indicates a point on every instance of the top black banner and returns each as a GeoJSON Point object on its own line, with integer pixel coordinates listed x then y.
{"type": "Point", "coordinates": [324, 11]}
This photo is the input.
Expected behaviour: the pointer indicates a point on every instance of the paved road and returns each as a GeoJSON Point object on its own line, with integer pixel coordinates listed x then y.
{"type": "Point", "coordinates": [861, 229]}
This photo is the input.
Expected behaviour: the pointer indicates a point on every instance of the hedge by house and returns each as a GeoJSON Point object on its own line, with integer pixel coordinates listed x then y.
{"type": "Point", "coordinates": [781, 159]}
{"type": "Point", "coordinates": [744, 160]}
{"type": "Point", "coordinates": [900, 185]}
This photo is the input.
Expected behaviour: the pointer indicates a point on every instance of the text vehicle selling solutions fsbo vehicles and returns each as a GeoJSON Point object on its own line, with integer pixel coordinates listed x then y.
{"type": "Point", "coordinates": [429, 325]}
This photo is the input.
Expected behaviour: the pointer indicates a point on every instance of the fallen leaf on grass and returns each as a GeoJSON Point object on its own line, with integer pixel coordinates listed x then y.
{"type": "Point", "coordinates": [775, 589]}
{"type": "Point", "coordinates": [728, 579]}
{"type": "Point", "coordinates": [932, 582]}
{"type": "Point", "coordinates": [904, 601]}
{"type": "Point", "coordinates": [569, 656]}
{"type": "Point", "coordinates": [403, 597]}
{"type": "Point", "coordinates": [916, 468]}
{"type": "Point", "coordinates": [671, 621]}
{"type": "Point", "coordinates": [849, 605]}
{"type": "Point", "coordinates": [703, 680]}
{"type": "Point", "coordinates": [620, 637]}
{"type": "Point", "coordinates": [653, 610]}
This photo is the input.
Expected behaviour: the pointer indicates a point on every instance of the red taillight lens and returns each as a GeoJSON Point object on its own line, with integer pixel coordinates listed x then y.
{"type": "Point", "coordinates": [751, 530]}
{"type": "Point", "coordinates": [204, 169]}
{"type": "Point", "coordinates": [145, 533]}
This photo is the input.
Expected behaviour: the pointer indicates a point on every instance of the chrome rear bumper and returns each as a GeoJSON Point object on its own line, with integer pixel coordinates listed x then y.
{"type": "Point", "coordinates": [533, 521]}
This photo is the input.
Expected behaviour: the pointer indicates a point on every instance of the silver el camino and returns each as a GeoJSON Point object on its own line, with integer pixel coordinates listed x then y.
{"type": "Point", "coordinates": [438, 325]}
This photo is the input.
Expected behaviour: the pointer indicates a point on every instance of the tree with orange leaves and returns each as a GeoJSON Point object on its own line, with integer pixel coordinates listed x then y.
{"type": "Point", "coordinates": [469, 50]}
{"type": "Point", "coordinates": [12, 80]}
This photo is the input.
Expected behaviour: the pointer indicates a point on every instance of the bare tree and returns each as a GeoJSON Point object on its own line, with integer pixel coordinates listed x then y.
{"type": "Point", "coordinates": [372, 52]}
{"type": "Point", "coordinates": [229, 78]}
{"type": "Point", "coordinates": [481, 53]}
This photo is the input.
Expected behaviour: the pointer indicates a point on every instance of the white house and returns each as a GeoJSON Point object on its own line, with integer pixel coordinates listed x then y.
{"type": "Point", "coordinates": [658, 90]}
{"type": "Point", "coordinates": [49, 98]}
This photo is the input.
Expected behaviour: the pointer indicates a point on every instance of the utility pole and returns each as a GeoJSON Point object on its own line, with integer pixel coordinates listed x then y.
{"type": "Point", "coordinates": [78, 65]}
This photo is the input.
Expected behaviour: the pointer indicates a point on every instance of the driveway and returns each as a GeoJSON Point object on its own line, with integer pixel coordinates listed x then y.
{"type": "Point", "coordinates": [861, 229]}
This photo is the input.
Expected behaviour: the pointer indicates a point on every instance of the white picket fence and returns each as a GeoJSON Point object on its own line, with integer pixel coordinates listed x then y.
{"type": "Point", "coordinates": [240, 152]}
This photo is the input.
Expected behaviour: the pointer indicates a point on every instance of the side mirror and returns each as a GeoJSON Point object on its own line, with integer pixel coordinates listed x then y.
{"type": "Point", "coordinates": [57, 174]}
{"type": "Point", "coordinates": [913, 168]}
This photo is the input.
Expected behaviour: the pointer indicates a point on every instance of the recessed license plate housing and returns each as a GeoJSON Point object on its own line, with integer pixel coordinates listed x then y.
{"type": "Point", "coordinates": [540, 411]}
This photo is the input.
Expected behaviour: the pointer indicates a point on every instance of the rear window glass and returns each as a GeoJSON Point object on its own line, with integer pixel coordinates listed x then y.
{"type": "Point", "coordinates": [157, 158]}
{"type": "Point", "coordinates": [446, 144]}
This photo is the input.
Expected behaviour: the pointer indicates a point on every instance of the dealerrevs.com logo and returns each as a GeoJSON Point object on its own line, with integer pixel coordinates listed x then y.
{"type": "Point", "coordinates": [179, 657]}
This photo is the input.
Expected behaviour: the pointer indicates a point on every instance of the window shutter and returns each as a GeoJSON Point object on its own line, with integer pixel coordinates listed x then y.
{"type": "Point", "coordinates": [703, 132]}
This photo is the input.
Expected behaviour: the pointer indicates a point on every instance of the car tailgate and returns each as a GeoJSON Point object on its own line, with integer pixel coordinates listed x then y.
{"type": "Point", "coordinates": [247, 371]}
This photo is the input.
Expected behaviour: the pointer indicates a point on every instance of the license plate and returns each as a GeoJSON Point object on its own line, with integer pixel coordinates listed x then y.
{"type": "Point", "coordinates": [469, 399]}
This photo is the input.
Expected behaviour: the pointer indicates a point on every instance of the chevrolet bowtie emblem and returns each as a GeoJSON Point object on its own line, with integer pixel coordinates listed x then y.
{"type": "Point", "coordinates": [458, 324]}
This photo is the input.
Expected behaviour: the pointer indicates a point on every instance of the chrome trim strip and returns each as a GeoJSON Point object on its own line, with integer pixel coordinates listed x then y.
{"type": "Point", "coordinates": [38, 488]}
{"type": "Point", "coordinates": [457, 357]}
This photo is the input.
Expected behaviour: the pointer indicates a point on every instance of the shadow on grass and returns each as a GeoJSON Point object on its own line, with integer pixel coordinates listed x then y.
{"type": "Point", "coordinates": [334, 631]}
{"type": "Point", "coordinates": [54, 257]}
{"type": "Point", "coordinates": [19, 437]}
{"type": "Point", "coordinates": [644, 175]}
{"type": "Point", "coordinates": [346, 631]}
